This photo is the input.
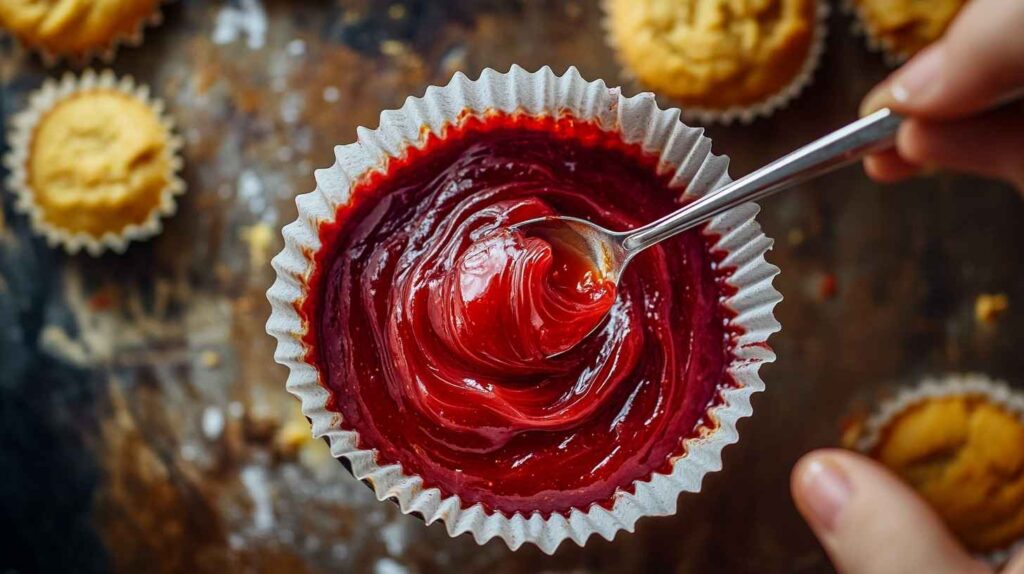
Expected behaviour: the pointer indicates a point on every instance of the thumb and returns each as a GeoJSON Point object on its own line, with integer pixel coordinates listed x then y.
{"type": "Point", "coordinates": [976, 65]}
{"type": "Point", "coordinates": [870, 522]}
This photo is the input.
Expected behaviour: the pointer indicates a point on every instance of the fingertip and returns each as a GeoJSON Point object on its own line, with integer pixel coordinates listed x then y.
{"type": "Point", "coordinates": [879, 97]}
{"type": "Point", "coordinates": [1016, 565]}
{"type": "Point", "coordinates": [882, 525]}
{"type": "Point", "coordinates": [820, 489]}
{"type": "Point", "coordinates": [913, 142]}
{"type": "Point", "coordinates": [889, 167]}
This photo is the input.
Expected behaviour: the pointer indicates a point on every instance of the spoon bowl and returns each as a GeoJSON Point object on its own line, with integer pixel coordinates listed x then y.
{"type": "Point", "coordinates": [599, 246]}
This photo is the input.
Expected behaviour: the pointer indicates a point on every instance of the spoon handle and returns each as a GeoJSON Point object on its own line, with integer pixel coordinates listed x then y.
{"type": "Point", "coordinates": [844, 146]}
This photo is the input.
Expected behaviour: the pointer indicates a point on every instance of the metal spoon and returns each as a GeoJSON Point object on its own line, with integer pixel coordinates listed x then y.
{"type": "Point", "coordinates": [611, 251]}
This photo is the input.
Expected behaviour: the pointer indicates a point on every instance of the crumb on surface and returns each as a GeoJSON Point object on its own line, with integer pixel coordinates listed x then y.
{"type": "Point", "coordinates": [989, 307]}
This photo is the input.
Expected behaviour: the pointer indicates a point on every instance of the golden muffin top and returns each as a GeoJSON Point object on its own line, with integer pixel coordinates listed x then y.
{"type": "Point", "coordinates": [906, 26]}
{"type": "Point", "coordinates": [714, 53]}
{"type": "Point", "coordinates": [73, 27]}
{"type": "Point", "coordinates": [965, 456]}
{"type": "Point", "coordinates": [99, 161]}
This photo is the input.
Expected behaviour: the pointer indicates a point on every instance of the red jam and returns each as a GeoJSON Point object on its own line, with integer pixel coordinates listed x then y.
{"type": "Point", "coordinates": [433, 322]}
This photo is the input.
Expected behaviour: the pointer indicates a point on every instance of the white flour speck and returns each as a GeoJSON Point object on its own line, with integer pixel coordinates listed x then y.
{"type": "Point", "coordinates": [189, 452]}
{"type": "Point", "coordinates": [331, 94]}
{"type": "Point", "coordinates": [388, 566]}
{"type": "Point", "coordinates": [213, 422]}
{"type": "Point", "coordinates": [296, 47]}
{"type": "Point", "coordinates": [247, 18]}
{"type": "Point", "coordinates": [250, 190]}
{"type": "Point", "coordinates": [291, 108]}
{"type": "Point", "coordinates": [393, 535]}
{"type": "Point", "coordinates": [254, 478]}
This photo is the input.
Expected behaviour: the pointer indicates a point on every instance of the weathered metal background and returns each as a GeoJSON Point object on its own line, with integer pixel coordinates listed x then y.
{"type": "Point", "coordinates": [144, 425]}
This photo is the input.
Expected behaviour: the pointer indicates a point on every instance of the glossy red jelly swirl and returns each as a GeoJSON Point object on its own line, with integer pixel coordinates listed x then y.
{"type": "Point", "coordinates": [433, 320]}
{"type": "Point", "coordinates": [510, 301]}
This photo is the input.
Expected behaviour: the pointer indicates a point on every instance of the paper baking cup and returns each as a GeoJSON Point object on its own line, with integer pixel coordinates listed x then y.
{"type": "Point", "coordinates": [954, 385]}
{"type": "Point", "coordinates": [749, 113]}
{"type": "Point", "coordinates": [23, 127]}
{"type": "Point", "coordinates": [106, 53]}
{"type": "Point", "coordinates": [682, 149]}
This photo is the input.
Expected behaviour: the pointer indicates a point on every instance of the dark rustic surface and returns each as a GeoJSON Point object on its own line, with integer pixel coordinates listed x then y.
{"type": "Point", "coordinates": [144, 425]}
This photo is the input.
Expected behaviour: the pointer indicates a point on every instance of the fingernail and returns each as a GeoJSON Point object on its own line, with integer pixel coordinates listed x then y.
{"type": "Point", "coordinates": [825, 491]}
{"type": "Point", "coordinates": [919, 78]}
{"type": "Point", "coordinates": [878, 98]}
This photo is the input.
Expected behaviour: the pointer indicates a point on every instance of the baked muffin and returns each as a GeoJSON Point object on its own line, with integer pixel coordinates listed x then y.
{"type": "Point", "coordinates": [714, 54]}
{"type": "Point", "coordinates": [95, 164]}
{"type": "Point", "coordinates": [965, 455]}
{"type": "Point", "coordinates": [903, 27]}
{"type": "Point", "coordinates": [74, 28]}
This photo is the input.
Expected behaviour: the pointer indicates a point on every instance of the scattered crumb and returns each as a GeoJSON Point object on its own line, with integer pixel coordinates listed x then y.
{"type": "Point", "coordinates": [260, 427]}
{"type": "Point", "coordinates": [102, 299]}
{"type": "Point", "coordinates": [396, 12]}
{"type": "Point", "coordinates": [454, 60]}
{"type": "Point", "coordinates": [259, 237]}
{"type": "Point", "coordinates": [989, 307]}
{"type": "Point", "coordinates": [795, 237]}
{"type": "Point", "coordinates": [852, 428]}
{"type": "Point", "coordinates": [573, 10]}
{"type": "Point", "coordinates": [350, 17]}
{"type": "Point", "coordinates": [392, 48]}
{"type": "Point", "coordinates": [827, 287]}
{"type": "Point", "coordinates": [210, 359]}
{"type": "Point", "coordinates": [291, 437]}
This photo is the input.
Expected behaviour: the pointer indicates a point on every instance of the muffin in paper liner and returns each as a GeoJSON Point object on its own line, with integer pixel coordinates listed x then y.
{"type": "Point", "coordinates": [872, 431]}
{"type": "Point", "coordinates": [744, 114]}
{"type": "Point", "coordinates": [893, 55]}
{"type": "Point", "coordinates": [682, 150]}
{"type": "Point", "coordinates": [22, 133]}
{"type": "Point", "coordinates": [132, 38]}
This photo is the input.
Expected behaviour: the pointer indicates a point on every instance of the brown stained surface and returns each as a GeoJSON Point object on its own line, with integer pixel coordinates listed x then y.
{"type": "Point", "coordinates": [146, 426]}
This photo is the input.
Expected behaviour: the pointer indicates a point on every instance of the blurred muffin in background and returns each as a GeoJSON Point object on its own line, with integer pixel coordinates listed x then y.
{"type": "Point", "coordinates": [962, 449]}
{"type": "Point", "coordinates": [76, 29]}
{"type": "Point", "coordinates": [901, 28]}
{"type": "Point", "coordinates": [722, 57]}
{"type": "Point", "coordinates": [93, 162]}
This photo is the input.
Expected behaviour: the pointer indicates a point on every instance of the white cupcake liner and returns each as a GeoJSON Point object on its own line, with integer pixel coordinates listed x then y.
{"type": "Point", "coordinates": [683, 150]}
{"type": "Point", "coordinates": [22, 130]}
{"type": "Point", "coordinates": [952, 385]}
{"type": "Point", "coordinates": [105, 54]}
{"type": "Point", "coordinates": [742, 114]}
